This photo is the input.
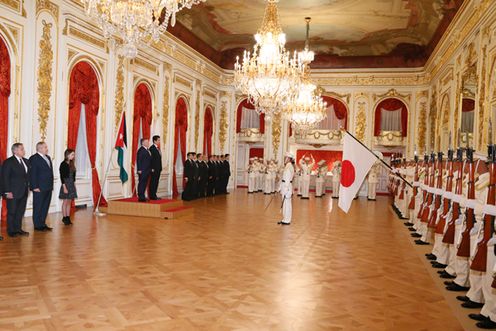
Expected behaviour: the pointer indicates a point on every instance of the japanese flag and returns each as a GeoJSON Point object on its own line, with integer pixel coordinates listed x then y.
{"type": "Point", "coordinates": [357, 161]}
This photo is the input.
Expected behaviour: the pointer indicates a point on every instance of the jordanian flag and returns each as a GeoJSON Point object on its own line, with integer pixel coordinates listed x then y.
{"type": "Point", "coordinates": [120, 145]}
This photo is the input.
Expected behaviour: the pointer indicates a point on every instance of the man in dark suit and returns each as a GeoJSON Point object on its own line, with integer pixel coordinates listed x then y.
{"type": "Point", "coordinates": [189, 178]}
{"type": "Point", "coordinates": [227, 173]}
{"type": "Point", "coordinates": [211, 176]}
{"type": "Point", "coordinates": [203, 176]}
{"type": "Point", "coordinates": [15, 174]}
{"type": "Point", "coordinates": [41, 183]}
{"type": "Point", "coordinates": [217, 175]}
{"type": "Point", "coordinates": [156, 167]}
{"type": "Point", "coordinates": [143, 164]}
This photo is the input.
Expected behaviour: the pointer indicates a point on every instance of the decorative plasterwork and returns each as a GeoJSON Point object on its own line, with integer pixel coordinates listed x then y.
{"type": "Point", "coordinates": [223, 125]}
{"type": "Point", "coordinates": [342, 97]}
{"type": "Point", "coordinates": [276, 133]}
{"type": "Point", "coordinates": [145, 64]}
{"type": "Point", "coordinates": [422, 127]}
{"type": "Point", "coordinates": [183, 81]}
{"type": "Point", "coordinates": [197, 116]}
{"type": "Point", "coordinates": [165, 110]}
{"type": "Point", "coordinates": [45, 78]}
{"type": "Point", "coordinates": [71, 30]}
{"type": "Point", "coordinates": [47, 5]}
{"type": "Point", "coordinates": [392, 93]}
{"type": "Point", "coordinates": [15, 5]}
{"type": "Point", "coordinates": [432, 119]}
{"type": "Point", "coordinates": [119, 90]}
{"type": "Point", "coordinates": [361, 121]}
{"type": "Point", "coordinates": [483, 113]}
{"type": "Point", "coordinates": [209, 94]}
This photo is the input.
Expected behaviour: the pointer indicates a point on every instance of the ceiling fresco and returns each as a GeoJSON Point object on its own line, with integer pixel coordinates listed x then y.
{"type": "Point", "coordinates": [344, 33]}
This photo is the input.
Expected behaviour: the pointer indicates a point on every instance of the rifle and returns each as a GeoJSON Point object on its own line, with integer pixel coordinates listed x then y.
{"type": "Point", "coordinates": [415, 187]}
{"type": "Point", "coordinates": [480, 258]}
{"type": "Point", "coordinates": [439, 186]}
{"type": "Point", "coordinates": [449, 236]}
{"type": "Point", "coordinates": [446, 200]}
{"type": "Point", "coordinates": [426, 183]}
{"type": "Point", "coordinates": [464, 247]}
{"type": "Point", "coordinates": [430, 195]}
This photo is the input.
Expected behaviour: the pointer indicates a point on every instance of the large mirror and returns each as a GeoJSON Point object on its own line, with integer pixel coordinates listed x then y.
{"type": "Point", "coordinates": [467, 100]}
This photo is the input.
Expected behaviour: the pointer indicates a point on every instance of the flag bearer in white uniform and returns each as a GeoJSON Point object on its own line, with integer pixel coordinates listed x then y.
{"type": "Point", "coordinates": [306, 164]}
{"type": "Point", "coordinates": [336, 178]}
{"type": "Point", "coordinates": [287, 189]}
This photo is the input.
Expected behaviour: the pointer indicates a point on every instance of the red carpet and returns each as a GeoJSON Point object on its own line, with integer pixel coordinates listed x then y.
{"type": "Point", "coordinates": [158, 202]}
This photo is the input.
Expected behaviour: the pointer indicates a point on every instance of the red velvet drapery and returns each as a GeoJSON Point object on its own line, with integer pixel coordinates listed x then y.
{"type": "Point", "coordinates": [468, 105]}
{"type": "Point", "coordinates": [181, 127]}
{"type": "Point", "coordinates": [208, 130]}
{"type": "Point", "coordinates": [239, 113]}
{"type": "Point", "coordinates": [257, 152]}
{"type": "Point", "coordinates": [391, 104]}
{"type": "Point", "coordinates": [328, 156]}
{"type": "Point", "coordinates": [339, 109]}
{"type": "Point", "coordinates": [4, 108]}
{"type": "Point", "coordinates": [142, 116]}
{"type": "Point", "coordinates": [84, 89]}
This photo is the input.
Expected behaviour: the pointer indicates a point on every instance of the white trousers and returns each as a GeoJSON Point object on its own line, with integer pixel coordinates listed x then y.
{"type": "Point", "coordinates": [287, 207]}
{"type": "Point", "coordinates": [335, 189]}
{"type": "Point", "coordinates": [319, 186]}
{"type": "Point", "coordinates": [489, 309]}
{"type": "Point", "coordinates": [252, 178]}
{"type": "Point", "coordinates": [372, 191]}
{"type": "Point", "coordinates": [268, 182]}
{"type": "Point", "coordinates": [305, 186]}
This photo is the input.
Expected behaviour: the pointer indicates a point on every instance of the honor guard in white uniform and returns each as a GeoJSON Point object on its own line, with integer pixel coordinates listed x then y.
{"type": "Point", "coordinates": [287, 189]}
{"type": "Point", "coordinates": [372, 181]}
{"type": "Point", "coordinates": [336, 178]}
{"type": "Point", "coordinates": [306, 165]}
{"type": "Point", "coordinates": [320, 179]}
{"type": "Point", "coordinates": [252, 176]}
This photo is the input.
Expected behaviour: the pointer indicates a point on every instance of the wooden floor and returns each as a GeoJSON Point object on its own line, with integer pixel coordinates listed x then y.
{"type": "Point", "coordinates": [229, 267]}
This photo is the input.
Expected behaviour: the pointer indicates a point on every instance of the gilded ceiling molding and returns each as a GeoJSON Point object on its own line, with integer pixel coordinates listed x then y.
{"type": "Point", "coordinates": [361, 121]}
{"type": "Point", "coordinates": [197, 118]}
{"type": "Point", "coordinates": [223, 125]}
{"type": "Point", "coordinates": [119, 90]}
{"type": "Point", "coordinates": [276, 133]}
{"type": "Point", "coordinates": [422, 127]}
{"type": "Point", "coordinates": [47, 5]}
{"type": "Point", "coordinates": [392, 93]}
{"type": "Point", "coordinates": [372, 80]}
{"type": "Point", "coordinates": [45, 65]}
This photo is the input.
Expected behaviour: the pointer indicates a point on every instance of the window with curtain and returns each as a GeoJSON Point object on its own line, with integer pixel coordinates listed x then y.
{"type": "Point", "coordinates": [390, 120]}
{"type": "Point", "coordinates": [331, 122]}
{"type": "Point", "coordinates": [82, 161]}
{"type": "Point", "coordinates": [250, 119]}
{"type": "Point", "coordinates": [468, 121]}
{"type": "Point", "coordinates": [179, 166]}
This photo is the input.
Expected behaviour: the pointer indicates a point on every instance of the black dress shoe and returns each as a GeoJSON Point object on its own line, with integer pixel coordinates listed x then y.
{"type": "Point", "coordinates": [408, 224]}
{"type": "Point", "coordinates": [416, 235]}
{"type": "Point", "coordinates": [155, 198]}
{"type": "Point", "coordinates": [411, 229]}
{"type": "Point", "coordinates": [420, 242]}
{"type": "Point", "coordinates": [439, 265]}
{"type": "Point", "coordinates": [477, 317]}
{"type": "Point", "coordinates": [40, 229]}
{"type": "Point", "coordinates": [283, 223]}
{"type": "Point", "coordinates": [142, 200]}
{"type": "Point", "coordinates": [462, 298]}
{"type": "Point", "coordinates": [47, 228]}
{"type": "Point", "coordinates": [487, 324]}
{"type": "Point", "coordinates": [446, 275]}
{"type": "Point", "coordinates": [12, 235]}
{"type": "Point", "coordinates": [472, 305]}
{"type": "Point", "coordinates": [449, 282]}
{"type": "Point", "coordinates": [457, 288]}
{"type": "Point", "coordinates": [430, 255]}
{"type": "Point", "coordinates": [23, 233]}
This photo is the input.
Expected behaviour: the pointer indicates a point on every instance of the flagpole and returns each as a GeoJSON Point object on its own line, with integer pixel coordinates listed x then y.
{"type": "Point", "coordinates": [102, 185]}
{"type": "Point", "coordinates": [377, 157]}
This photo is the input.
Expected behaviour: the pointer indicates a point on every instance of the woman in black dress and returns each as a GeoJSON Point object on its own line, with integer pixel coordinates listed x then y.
{"type": "Point", "coordinates": [68, 189]}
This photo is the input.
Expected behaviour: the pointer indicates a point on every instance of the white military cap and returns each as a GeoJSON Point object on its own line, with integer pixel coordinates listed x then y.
{"type": "Point", "coordinates": [290, 155]}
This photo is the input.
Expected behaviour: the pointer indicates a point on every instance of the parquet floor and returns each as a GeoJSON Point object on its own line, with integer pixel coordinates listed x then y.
{"type": "Point", "coordinates": [229, 267]}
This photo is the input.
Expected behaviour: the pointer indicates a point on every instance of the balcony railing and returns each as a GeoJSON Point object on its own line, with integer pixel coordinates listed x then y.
{"type": "Point", "coordinates": [250, 135]}
{"type": "Point", "coordinates": [320, 137]}
{"type": "Point", "coordinates": [390, 138]}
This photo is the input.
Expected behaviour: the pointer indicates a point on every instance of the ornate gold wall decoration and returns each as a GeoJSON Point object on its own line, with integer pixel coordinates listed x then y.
{"type": "Point", "coordinates": [412, 80]}
{"type": "Point", "coordinates": [48, 6]}
{"type": "Point", "coordinates": [432, 120]}
{"type": "Point", "coordinates": [82, 35]}
{"type": "Point", "coordinates": [165, 110]}
{"type": "Point", "coordinates": [422, 127]}
{"type": "Point", "coordinates": [145, 64]}
{"type": "Point", "coordinates": [45, 65]}
{"type": "Point", "coordinates": [12, 4]}
{"type": "Point", "coordinates": [182, 81]}
{"type": "Point", "coordinates": [342, 97]}
{"type": "Point", "coordinates": [456, 120]}
{"type": "Point", "coordinates": [223, 125]}
{"type": "Point", "coordinates": [209, 94]}
{"type": "Point", "coordinates": [483, 113]}
{"type": "Point", "coordinates": [197, 118]}
{"type": "Point", "coordinates": [276, 132]}
{"type": "Point", "coordinates": [361, 122]}
{"type": "Point", "coordinates": [119, 90]}
{"type": "Point", "coordinates": [392, 93]}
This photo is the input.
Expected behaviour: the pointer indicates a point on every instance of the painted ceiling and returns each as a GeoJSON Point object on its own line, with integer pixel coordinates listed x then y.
{"type": "Point", "coordinates": [344, 33]}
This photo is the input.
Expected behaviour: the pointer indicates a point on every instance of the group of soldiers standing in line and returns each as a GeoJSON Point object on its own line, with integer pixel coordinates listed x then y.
{"type": "Point", "coordinates": [451, 206]}
{"type": "Point", "coordinates": [205, 176]}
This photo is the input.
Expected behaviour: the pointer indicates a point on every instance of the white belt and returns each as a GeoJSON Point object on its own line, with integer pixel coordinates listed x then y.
{"type": "Point", "coordinates": [471, 203]}
{"type": "Point", "coordinates": [416, 184]}
{"type": "Point", "coordinates": [438, 191]}
{"type": "Point", "coordinates": [448, 195]}
{"type": "Point", "coordinates": [459, 199]}
{"type": "Point", "coordinates": [489, 210]}
{"type": "Point", "coordinates": [422, 186]}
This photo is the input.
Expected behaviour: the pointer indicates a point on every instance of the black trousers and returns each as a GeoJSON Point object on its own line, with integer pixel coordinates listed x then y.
{"type": "Point", "coordinates": [41, 204]}
{"type": "Point", "coordinates": [226, 182]}
{"type": "Point", "coordinates": [202, 188]}
{"type": "Point", "coordinates": [143, 183]}
{"type": "Point", "coordinates": [154, 179]}
{"type": "Point", "coordinates": [190, 190]}
{"type": "Point", "coordinates": [15, 213]}
{"type": "Point", "coordinates": [210, 187]}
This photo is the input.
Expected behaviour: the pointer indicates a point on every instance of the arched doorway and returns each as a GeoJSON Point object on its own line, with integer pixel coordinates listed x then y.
{"type": "Point", "coordinates": [84, 105]}
{"type": "Point", "coordinates": [142, 120]}
{"type": "Point", "coordinates": [208, 131]}
{"type": "Point", "coordinates": [180, 130]}
{"type": "Point", "coordinates": [391, 114]}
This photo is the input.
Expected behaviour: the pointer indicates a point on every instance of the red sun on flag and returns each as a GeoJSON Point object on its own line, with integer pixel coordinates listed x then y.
{"type": "Point", "coordinates": [347, 173]}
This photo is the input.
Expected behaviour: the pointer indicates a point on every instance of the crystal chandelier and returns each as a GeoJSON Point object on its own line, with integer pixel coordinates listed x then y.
{"type": "Point", "coordinates": [306, 109]}
{"type": "Point", "coordinates": [269, 75]}
{"type": "Point", "coordinates": [135, 21]}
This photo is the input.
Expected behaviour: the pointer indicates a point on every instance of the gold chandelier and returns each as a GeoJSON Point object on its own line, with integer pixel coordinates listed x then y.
{"type": "Point", "coordinates": [269, 76]}
{"type": "Point", "coordinates": [135, 21]}
{"type": "Point", "coordinates": [306, 108]}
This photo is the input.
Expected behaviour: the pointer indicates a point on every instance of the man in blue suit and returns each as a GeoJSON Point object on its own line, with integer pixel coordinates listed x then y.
{"type": "Point", "coordinates": [143, 165]}
{"type": "Point", "coordinates": [41, 184]}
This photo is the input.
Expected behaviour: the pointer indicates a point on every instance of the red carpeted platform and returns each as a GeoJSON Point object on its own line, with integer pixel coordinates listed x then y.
{"type": "Point", "coordinates": [164, 208]}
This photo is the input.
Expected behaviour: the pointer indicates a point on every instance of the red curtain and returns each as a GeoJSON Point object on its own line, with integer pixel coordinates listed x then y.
{"type": "Point", "coordinates": [391, 104]}
{"type": "Point", "coordinates": [181, 127]}
{"type": "Point", "coordinates": [208, 130]}
{"type": "Point", "coordinates": [328, 156]}
{"type": "Point", "coordinates": [4, 108]}
{"type": "Point", "coordinates": [239, 112]}
{"type": "Point", "coordinates": [142, 115]}
{"type": "Point", "coordinates": [468, 105]}
{"type": "Point", "coordinates": [339, 109]}
{"type": "Point", "coordinates": [257, 152]}
{"type": "Point", "coordinates": [84, 89]}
